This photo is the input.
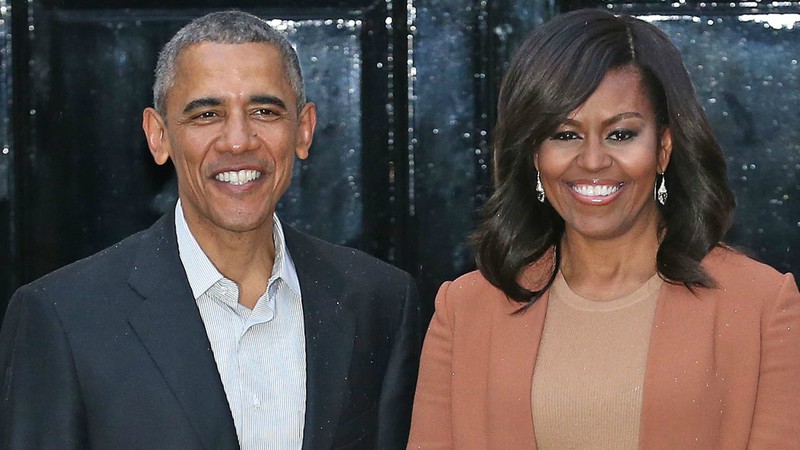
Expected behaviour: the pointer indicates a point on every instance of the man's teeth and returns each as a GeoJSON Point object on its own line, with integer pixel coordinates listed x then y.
{"type": "Point", "coordinates": [595, 190]}
{"type": "Point", "coordinates": [238, 178]}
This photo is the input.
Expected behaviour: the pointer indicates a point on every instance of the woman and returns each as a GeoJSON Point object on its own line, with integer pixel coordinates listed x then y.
{"type": "Point", "coordinates": [606, 312]}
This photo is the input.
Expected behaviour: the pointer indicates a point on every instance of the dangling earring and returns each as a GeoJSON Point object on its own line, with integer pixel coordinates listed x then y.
{"type": "Point", "coordinates": [661, 194]}
{"type": "Point", "coordinates": [539, 188]}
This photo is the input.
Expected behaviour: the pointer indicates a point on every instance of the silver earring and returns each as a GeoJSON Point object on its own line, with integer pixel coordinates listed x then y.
{"type": "Point", "coordinates": [661, 194]}
{"type": "Point", "coordinates": [539, 188]}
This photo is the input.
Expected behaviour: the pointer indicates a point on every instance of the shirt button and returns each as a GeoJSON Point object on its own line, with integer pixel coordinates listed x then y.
{"type": "Point", "coordinates": [256, 402]}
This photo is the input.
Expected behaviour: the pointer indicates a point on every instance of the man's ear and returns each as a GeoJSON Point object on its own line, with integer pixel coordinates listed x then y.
{"type": "Point", "coordinates": [155, 131]}
{"type": "Point", "coordinates": [664, 150]}
{"type": "Point", "coordinates": [305, 131]}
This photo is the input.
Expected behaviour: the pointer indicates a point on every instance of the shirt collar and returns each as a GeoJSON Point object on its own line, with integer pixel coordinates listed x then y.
{"type": "Point", "coordinates": [284, 267]}
{"type": "Point", "coordinates": [201, 272]}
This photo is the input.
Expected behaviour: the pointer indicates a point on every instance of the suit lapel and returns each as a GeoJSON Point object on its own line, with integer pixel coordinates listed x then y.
{"type": "Point", "coordinates": [169, 325]}
{"type": "Point", "coordinates": [329, 331]}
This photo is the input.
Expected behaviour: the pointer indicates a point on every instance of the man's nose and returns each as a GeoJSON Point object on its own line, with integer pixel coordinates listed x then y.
{"type": "Point", "coordinates": [239, 134]}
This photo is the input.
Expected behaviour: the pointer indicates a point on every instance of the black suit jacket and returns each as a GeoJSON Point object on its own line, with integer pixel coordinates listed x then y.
{"type": "Point", "coordinates": [111, 353]}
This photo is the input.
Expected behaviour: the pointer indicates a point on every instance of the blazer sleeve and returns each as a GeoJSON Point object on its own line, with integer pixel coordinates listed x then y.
{"type": "Point", "coordinates": [40, 407]}
{"type": "Point", "coordinates": [776, 420]}
{"type": "Point", "coordinates": [431, 425]}
{"type": "Point", "coordinates": [399, 382]}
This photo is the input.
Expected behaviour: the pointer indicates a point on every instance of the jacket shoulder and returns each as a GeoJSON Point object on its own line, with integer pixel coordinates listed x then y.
{"type": "Point", "coordinates": [307, 250]}
{"type": "Point", "coordinates": [106, 265]}
{"type": "Point", "coordinates": [472, 282]}
{"type": "Point", "coordinates": [472, 294]}
{"type": "Point", "coordinates": [733, 270]}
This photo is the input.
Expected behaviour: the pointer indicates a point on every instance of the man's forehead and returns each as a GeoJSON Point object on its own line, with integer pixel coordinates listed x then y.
{"type": "Point", "coordinates": [268, 50]}
{"type": "Point", "coordinates": [202, 65]}
{"type": "Point", "coordinates": [209, 61]}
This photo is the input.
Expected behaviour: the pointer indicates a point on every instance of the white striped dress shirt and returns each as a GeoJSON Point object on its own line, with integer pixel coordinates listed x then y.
{"type": "Point", "coordinates": [260, 353]}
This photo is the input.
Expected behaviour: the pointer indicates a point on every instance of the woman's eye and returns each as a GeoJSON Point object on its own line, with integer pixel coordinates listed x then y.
{"type": "Point", "coordinates": [565, 136]}
{"type": "Point", "coordinates": [622, 135]}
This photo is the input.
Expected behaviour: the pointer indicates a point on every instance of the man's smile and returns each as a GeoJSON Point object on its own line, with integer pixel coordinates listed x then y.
{"type": "Point", "coordinates": [238, 178]}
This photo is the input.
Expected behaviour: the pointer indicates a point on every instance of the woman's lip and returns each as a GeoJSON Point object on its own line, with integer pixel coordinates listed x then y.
{"type": "Point", "coordinates": [596, 193]}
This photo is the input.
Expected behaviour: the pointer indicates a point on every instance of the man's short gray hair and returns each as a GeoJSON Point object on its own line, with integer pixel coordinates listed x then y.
{"type": "Point", "coordinates": [225, 27]}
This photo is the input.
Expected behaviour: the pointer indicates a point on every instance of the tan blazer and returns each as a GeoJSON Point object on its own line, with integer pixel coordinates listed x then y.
{"type": "Point", "coordinates": [723, 369]}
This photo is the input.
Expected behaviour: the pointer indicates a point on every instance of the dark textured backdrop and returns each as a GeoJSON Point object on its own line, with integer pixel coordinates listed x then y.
{"type": "Point", "coordinates": [406, 93]}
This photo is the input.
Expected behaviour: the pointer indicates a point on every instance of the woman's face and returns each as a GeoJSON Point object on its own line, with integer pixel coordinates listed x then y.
{"type": "Point", "coordinates": [599, 167]}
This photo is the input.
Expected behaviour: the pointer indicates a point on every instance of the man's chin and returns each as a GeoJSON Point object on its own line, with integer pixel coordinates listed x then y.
{"type": "Point", "coordinates": [221, 222]}
{"type": "Point", "coordinates": [245, 225]}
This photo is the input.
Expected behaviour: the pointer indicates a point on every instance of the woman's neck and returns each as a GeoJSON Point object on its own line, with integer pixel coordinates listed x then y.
{"type": "Point", "coordinates": [604, 270]}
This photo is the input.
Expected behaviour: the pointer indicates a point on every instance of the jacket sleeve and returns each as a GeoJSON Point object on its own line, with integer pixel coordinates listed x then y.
{"type": "Point", "coordinates": [397, 391]}
{"type": "Point", "coordinates": [776, 420]}
{"type": "Point", "coordinates": [40, 405]}
{"type": "Point", "coordinates": [431, 425]}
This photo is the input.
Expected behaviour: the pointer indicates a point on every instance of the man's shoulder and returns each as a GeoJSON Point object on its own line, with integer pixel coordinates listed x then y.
{"type": "Point", "coordinates": [307, 250]}
{"type": "Point", "coordinates": [108, 266]}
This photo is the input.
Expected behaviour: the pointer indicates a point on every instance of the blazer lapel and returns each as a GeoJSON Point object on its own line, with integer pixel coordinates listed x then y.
{"type": "Point", "coordinates": [515, 343]}
{"type": "Point", "coordinates": [679, 364]}
{"type": "Point", "coordinates": [169, 325]}
{"type": "Point", "coordinates": [329, 331]}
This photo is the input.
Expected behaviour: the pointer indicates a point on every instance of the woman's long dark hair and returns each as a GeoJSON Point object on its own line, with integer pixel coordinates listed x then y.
{"type": "Point", "coordinates": [557, 67]}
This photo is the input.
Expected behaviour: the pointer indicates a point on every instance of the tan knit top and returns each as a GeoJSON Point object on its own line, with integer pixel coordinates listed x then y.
{"type": "Point", "coordinates": [587, 382]}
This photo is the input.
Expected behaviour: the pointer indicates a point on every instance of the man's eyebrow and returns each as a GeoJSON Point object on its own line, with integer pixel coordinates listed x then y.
{"type": "Point", "coordinates": [201, 103]}
{"type": "Point", "coordinates": [267, 100]}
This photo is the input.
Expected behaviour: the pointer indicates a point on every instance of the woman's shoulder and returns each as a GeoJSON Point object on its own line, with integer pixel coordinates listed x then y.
{"type": "Point", "coordinates": [476, 310]}
{"type": "Point", "coordinates": [471, 285]}
{"type": "Point", "coordinates": [472, 292]}
{"type": "Point", "coordinates": [739, 275]}
{"type": "Point", "coordinates": [729, 266]}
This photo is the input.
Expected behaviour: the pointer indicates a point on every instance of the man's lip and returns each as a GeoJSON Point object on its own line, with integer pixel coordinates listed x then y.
{"type": "Point", "coordinates": [238, 177]}
{"type": "Point", "coordinates": [234, 167]}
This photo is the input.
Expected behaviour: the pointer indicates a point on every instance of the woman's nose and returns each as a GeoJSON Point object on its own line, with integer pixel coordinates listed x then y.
{"type": "Point", "coordinates": [594, 156]}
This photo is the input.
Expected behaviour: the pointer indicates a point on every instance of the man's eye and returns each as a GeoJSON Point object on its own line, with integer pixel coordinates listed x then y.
{"type": "Point", "coordinates": [206, 115]}
{"type": "Point", "coordinates": [564, 136]}
{"type": "Point", "coordinates": [264, 112]}
{"type": "Point", "coordinates": [622, 135]}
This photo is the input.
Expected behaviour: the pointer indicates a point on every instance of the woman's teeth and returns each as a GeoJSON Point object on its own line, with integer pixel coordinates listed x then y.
{"type": "Point", "coordinates": [593, 190]}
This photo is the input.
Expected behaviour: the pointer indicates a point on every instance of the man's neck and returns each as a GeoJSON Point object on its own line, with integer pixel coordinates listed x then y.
{"type": "Point", "coordinates": [243, 257]}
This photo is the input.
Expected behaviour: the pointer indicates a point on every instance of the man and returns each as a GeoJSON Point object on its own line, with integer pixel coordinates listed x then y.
{"type": "Point", "coordinates": [218, 327]}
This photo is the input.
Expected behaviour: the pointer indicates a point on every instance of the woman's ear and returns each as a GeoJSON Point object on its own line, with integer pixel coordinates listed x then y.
{"type": "Point", "coordinates": [664, 150]}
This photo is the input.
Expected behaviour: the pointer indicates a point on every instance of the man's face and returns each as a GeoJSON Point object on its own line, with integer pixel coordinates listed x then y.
{"type": "Point", "coordinates": [231, 129]}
